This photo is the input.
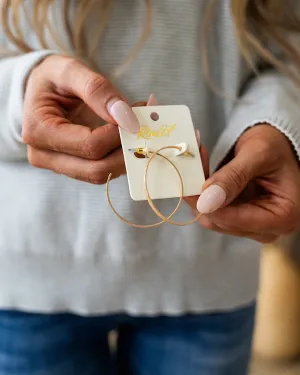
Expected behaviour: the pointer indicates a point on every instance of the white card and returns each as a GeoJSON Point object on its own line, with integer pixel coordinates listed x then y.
{"type": "Point", "coordinates": [174, 126]}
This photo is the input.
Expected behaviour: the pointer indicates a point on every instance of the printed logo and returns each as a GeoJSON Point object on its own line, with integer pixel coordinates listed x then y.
{"type": "Point", "coordinates": [147, 133]}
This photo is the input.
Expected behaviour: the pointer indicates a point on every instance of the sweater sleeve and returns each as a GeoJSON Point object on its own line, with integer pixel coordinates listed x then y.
{"type": "Point", "coordinates": [13, 74]}
{"type": "Point", "coordinates": [269, 98]}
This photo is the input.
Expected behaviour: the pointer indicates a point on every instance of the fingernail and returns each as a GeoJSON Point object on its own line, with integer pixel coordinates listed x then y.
{"type": "Point", "coordinates": [211, 199]}
{"type": "Point", "coordinates": [123, 115]}
{"type": "Point", "coordinates": [152, 100]}
{"type": "Point", "coordinates": [197, 132]}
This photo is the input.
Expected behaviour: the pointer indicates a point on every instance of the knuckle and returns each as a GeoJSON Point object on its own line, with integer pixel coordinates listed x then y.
{"type": "Point", "coordinates": [90, 149]}
{"type": "Point", "coordinates": [28, 130]}
{"type": "Point", "coordinates": [68, 67]}
{"type": "Point", "coordinates": [36, 126]}
{"type": "Point", "coordinates": [53, 60]}
{"type": "Point", "coordinates": [95, 175]}
{"type": "Point", "coordinates": [69, 64]}
{"type": "Point", "coordinates": [95, 84]}
{"type": "Point", "coordinates": [27, 137]}
{"type": "Point", "coordinates": [109, 135]}
{"type": "Point", "coordinates": [33, 157]}
{"type": "Point", "coordinates": [99, 142]}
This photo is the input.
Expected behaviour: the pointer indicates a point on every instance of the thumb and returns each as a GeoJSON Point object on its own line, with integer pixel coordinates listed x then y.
{"type": "Point", "coordinates": [226, 184]}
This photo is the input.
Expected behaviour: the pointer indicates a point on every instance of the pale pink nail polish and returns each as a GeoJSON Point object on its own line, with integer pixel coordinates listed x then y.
{"type": "Point", "coordinates": [211, 199]}
{"type": "Point", "coordinates": [197, 132]}
{"type": "Point", "coordinates": [123, 115]}
{"type": "Point", "coordinates": [152, 100]}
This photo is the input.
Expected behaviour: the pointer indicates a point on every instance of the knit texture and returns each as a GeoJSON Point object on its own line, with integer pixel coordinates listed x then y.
{"type": "Point", "coordinates": [61, 247]}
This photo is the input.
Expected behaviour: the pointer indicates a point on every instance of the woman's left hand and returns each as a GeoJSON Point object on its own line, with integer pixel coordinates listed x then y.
{"type": "Point", "coordinates": [257, 194]}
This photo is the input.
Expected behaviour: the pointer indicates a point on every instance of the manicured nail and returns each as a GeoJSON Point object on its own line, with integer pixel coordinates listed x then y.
{"type": "Point", "coordinates": [152, 100]}
{"type": "Point", "coordinates": [211, 199]}
{"type": "Point", "coordinates": [197, 132]}
{"type": "Point", "coordinates": [123, 115]}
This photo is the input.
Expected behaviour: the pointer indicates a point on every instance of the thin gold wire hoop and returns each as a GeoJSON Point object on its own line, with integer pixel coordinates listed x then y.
{"type": "Point", "coordinates": [156, 153]}
{"type": "Point", "coordinates": [150, 201]}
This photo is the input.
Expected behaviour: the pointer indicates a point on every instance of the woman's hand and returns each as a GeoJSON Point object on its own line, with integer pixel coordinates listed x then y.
{"type": "Point", "coordinates": [64, 104]}
{"type": "Point", "coordinates": [257, 194]}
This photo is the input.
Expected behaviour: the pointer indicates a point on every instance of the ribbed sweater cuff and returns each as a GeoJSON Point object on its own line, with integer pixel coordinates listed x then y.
{"type": "Point", "coordinates": [271, 99]}
{"type": "Point", "coordinates": [22, 66]}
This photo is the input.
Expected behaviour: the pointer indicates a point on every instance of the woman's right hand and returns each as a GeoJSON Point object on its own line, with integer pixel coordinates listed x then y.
{"type": "Point", "coordinates": [59, 138]}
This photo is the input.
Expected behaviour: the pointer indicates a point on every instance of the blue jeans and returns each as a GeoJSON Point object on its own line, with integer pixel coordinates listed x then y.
{"type": "Point", "coordinates": [65, 344]}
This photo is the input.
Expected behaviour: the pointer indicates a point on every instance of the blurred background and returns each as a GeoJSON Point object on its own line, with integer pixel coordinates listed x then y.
{"type": "Point", "coordinates": [276, 346]}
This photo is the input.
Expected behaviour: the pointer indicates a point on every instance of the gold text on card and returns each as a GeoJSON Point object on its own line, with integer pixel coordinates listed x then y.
{"type": "Point", "coordinates": [147, 133]}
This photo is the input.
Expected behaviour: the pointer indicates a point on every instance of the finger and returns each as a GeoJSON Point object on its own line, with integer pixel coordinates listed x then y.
{"type": "Point", "coordinates": [192, 201]}
{"type": "Point", "coordinates": [95, 172]}
{"type": "Point", "coordinates": [269, 215]}
{"type": "Point", "coordinates": [140, 104]}
{"type": "Point", "coordinates": [95, 90]}
{"type": "Point", "coordinates": [206, 223]}
{"type": "Point", "coordinates": [57, 134]}
{"type": "Point", "coordinates": [85, 116]}
{"type": "Point", "coordinates": [263, 238]}
{"type": "Point", "coordinates": [152, 101]}
{"type": "Point", "coordinates": [197, 134]}
{"type": "Point", "coordinates": [205, 160]}
{"type": "Point", "coordinates": [228, 182]}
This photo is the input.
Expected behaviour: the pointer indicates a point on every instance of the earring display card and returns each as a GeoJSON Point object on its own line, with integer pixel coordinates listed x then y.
{"type": "Point", "coordinates": [163, 126]}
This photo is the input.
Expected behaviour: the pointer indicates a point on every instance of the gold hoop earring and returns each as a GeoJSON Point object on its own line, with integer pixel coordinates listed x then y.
{"type": "Point", "coordinates": [149, 199]}
{"type": "Point", "coordinates": [147, 193]}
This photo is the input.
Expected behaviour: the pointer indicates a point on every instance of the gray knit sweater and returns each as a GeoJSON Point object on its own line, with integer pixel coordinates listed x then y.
{"type": "Point", "coordinates": [62, 249]}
